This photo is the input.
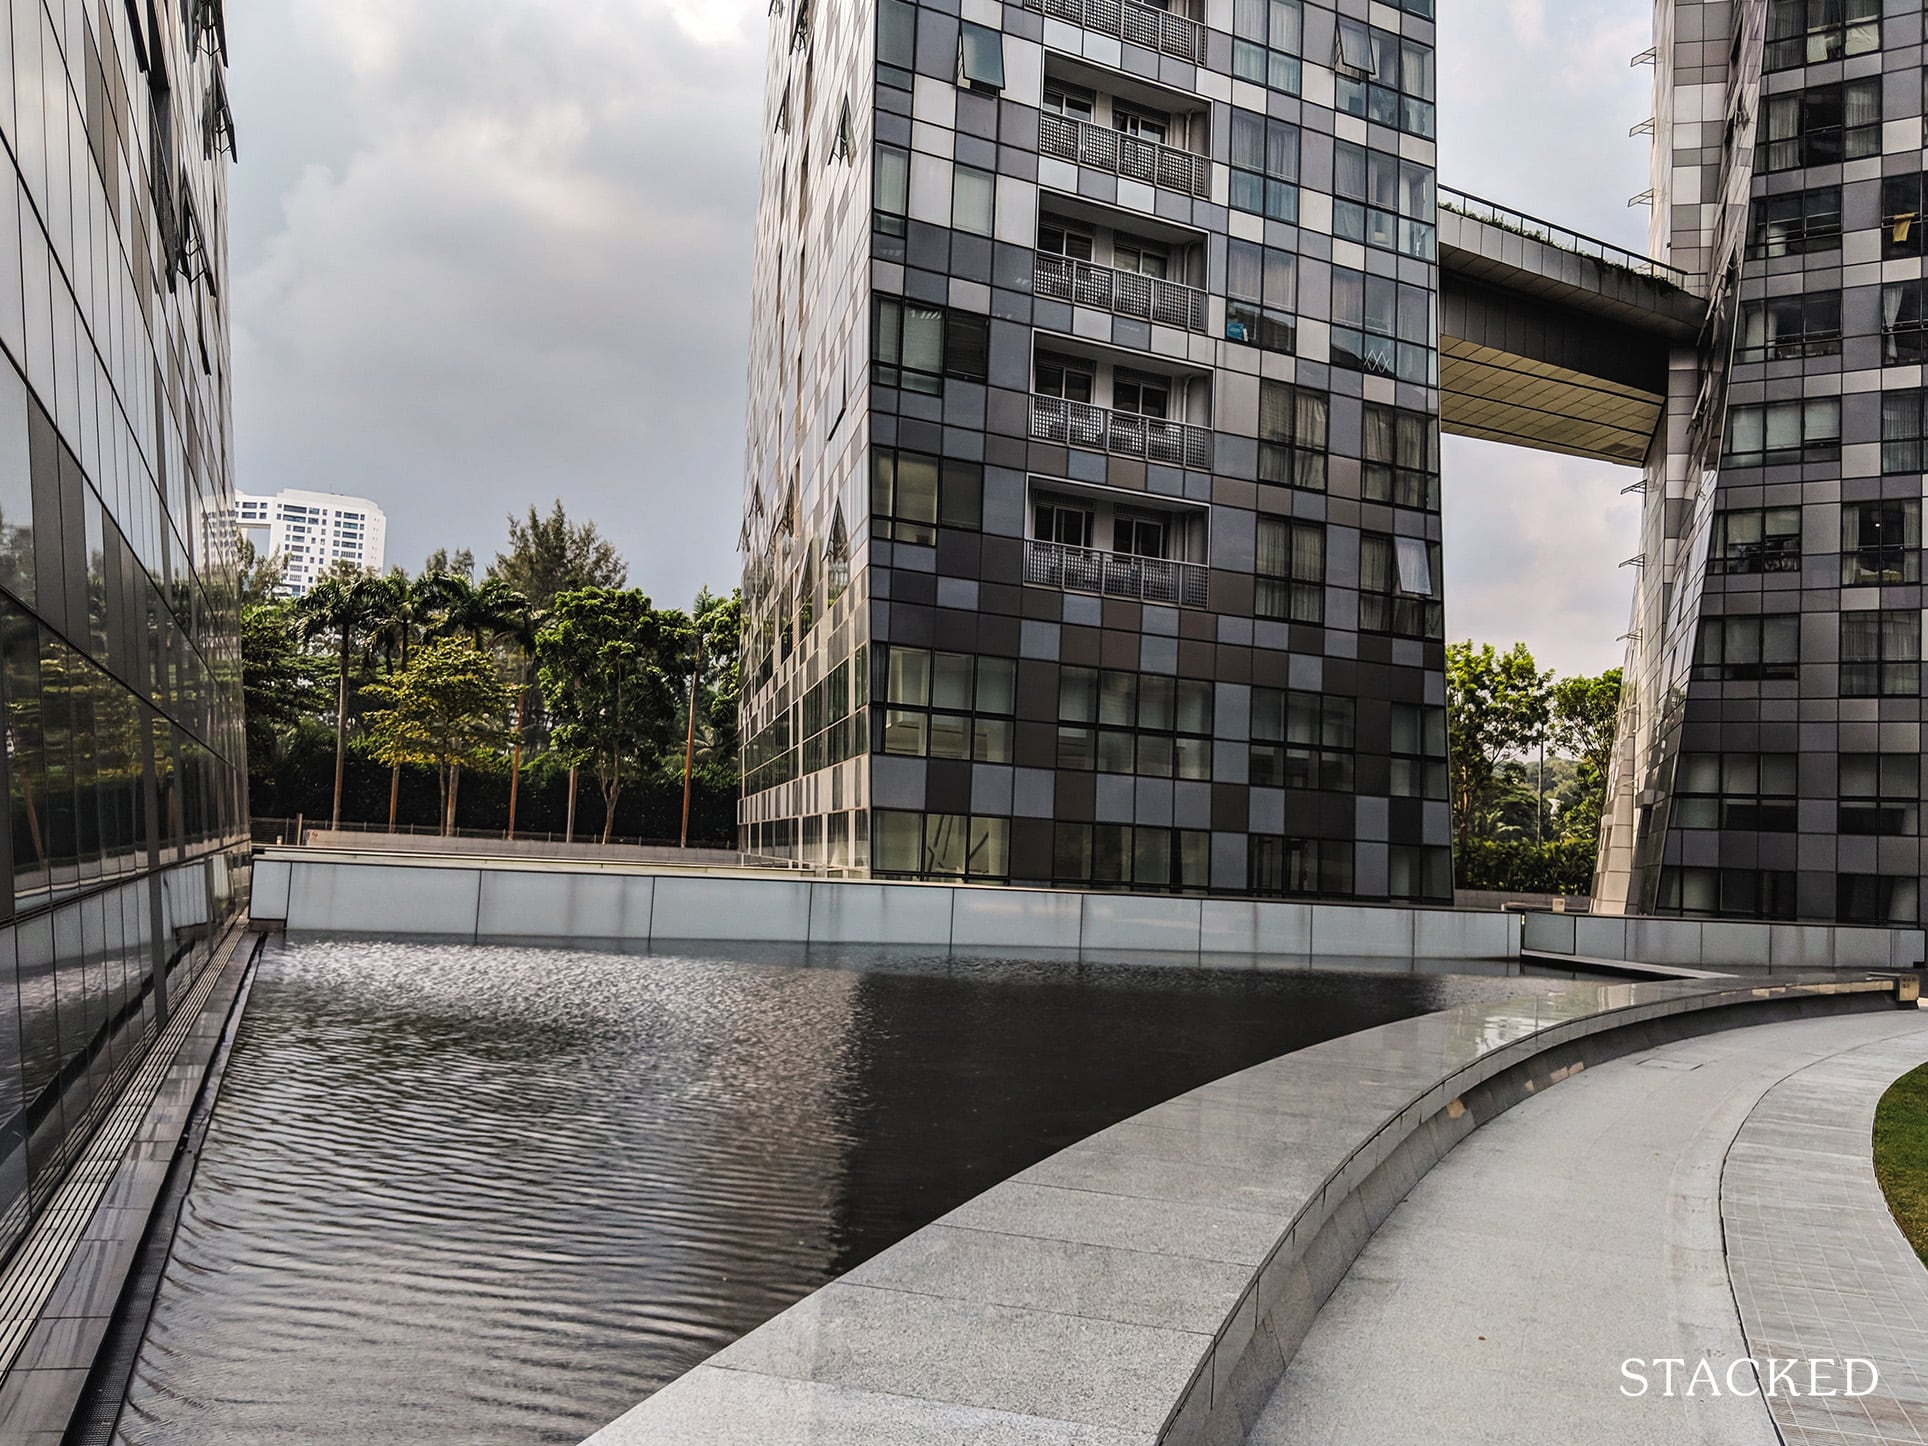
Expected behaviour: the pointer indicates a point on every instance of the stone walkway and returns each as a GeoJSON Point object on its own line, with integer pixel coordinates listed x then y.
{"type": "Point", "coordinates": [1505, 1298]}
{"type": "Point", "coordinates": [1815, 1256]}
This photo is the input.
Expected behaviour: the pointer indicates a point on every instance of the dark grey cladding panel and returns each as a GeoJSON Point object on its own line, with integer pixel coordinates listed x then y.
{"type": "Point", "coordinates": [1556, 335]}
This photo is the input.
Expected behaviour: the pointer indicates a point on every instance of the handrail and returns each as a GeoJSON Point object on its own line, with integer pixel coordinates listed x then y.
{"type": "Point", "coordinates": [1175, 35]}
{"type": "Point", "coordinates": [1079, 424]}
{"type": "Point", "coordinates": [1116, 574]}
{"type": "Point", "coordinates": [1563, 238]}
{"type": "Point", "coordinates": [1123, 154]}
{"type": "Point", "coordinates": [1152, 298]}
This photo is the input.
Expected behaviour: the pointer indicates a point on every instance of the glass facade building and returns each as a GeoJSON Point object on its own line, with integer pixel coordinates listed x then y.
{"type": "Point", "coordinates": [119, 665]}
{"type": "Point", "coordinates": [1771, 740]}
{"type": "Point", "coordinates": [1091, 520]}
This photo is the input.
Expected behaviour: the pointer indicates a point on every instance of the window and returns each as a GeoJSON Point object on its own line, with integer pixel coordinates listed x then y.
{"type": "Point", "coordinates": [1881, 542]}
{"type": "Point", "coordinates": [1066, 377]}
{"type": "Point", "coordinates": [916, 347]}
{"type": "Point", "coordinates": [1265, 44]}
{"type": "Point", "coordinates": [947, 705]}
{"type": "Point", "coordinates": [1139, 536]}
{"type": "Point", "coordinates": [1755, 540]}
{"type": "Point", "coordinates": [1876, 899]}
{"type": "Point", "coordinates": [1147, 724]}
{"type": "Point", "coordinates": [1292, 436]}
{"type": "Point", "coordinates": [1283, 867]}
{"type": "Point", "coordinates": [1062, 239]}
{"type": "Point", "coordinates": [1382, 201]}
{"type": "Point", "coordinates": [1117, 854]}
{"type": "Point", "coordinates": [1902, 430]}
{"type": "Point", "coordinates": [1383, 78]}
{"type": "Point", "coordinates": [1265, 166]}
{"type": "Point", "coordinates": [1881, 653]}
{"type": "Point", "coordinates": [1396, 586]}
{"type": "Point", "coordinates": [1787, 328]}
{"type": "Point", "coordinates": [1063, 523]}
{"type": "Point", "coordinates": [1901, 213]}
{"type": "Point", "coordinates": [1302, 740]}
{"type": "Point", "coordinates": [1809, 32]}
{"type": "Point", "coordinates": [1880, 794]}
{"type": "Point", "coordinates": [912, 494]}
{"type": "Point", "coordinates": [1748, 648]}
{"type": "Point", "coordinates": [1141, 121]}
{"type": "Point", "coordinates": [1796, 223]}
{"type": "Point", "coordinates": [836, 559]}
{"type": "Point", "coordinates": [973, 199]}
{"type": "Point", "coordinates": [1782, 432]}
{"type": "Point", "coordinates": [1419, 873]}
{"type": "Point", "coordinates": [1418, 751]}
{"type": "Point", "coordinates": [1756, 792]}
{"type": "Point", "coordinates": [1820, 126]}
{"type": "Point", "coordinates": [1901, 323]}
{"type": "Point", "coordinates": [1400, 451]}
{"type": "Point", "coordinates": [980, 58]}
{"type": "Point", "coordinates": [1291, 571]}
{"type": "Point", "coordinates": [1381, 327]}
{"type": "Point", "coordinates": [1069, 100]}
{"type": "Point", "coordinates": [1140, 395]}
{"type": "Point", "coordinates": [844, 145]}
{"type": "Point", "coordinates": [1736, 893]}
{"type": "Point", "coordinates": [939, 845]}
{"type": "Point", "coordinates": [832, 729]}
{"type": "Point", "coordinates": [890, 191]}
{"type": "Point", "coordinates": [1261, 293]}
{"type": "Point", "coordinates": [896, 43]}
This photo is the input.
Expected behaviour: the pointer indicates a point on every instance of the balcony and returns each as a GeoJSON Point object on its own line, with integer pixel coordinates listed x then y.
{"type": "Point", "coordinates": [1116, 574]}
{"type": "Point", "coordinates": [1168, 303]}
{"type": "Point", "coordinates": [1132, 157]}
{"type": "Point", "coordinates": [1079, 424]}
{"type": "Point", "coordinates": [1173, 35]}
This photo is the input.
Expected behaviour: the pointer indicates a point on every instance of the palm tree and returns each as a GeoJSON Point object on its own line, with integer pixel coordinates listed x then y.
{"type": "Point", "coordinates": [344, 609]}
{"type": "Point", "coordinates": [491, 614]}
{"type": "Point", "coordinates": [405, 609]}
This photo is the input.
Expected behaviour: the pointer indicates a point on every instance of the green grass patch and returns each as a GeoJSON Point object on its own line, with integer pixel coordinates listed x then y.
{"type": "Point", "coordinates": [1901, 1155]}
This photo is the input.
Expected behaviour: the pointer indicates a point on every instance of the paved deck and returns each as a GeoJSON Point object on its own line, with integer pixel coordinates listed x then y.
{"type": "Point", "coordinates": [1499, 1302]}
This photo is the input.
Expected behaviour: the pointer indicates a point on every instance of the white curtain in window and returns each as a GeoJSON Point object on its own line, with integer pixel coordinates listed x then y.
{"type": "Point", "coordinates": [1415, 568]}
{"type": "Point", "coordinates": [1375, 564]}
{"type": "Point", "coordinates": [1308, 553]}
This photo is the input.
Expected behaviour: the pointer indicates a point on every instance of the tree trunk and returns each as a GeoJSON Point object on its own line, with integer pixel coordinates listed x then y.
{"type": "Point", "coordinates": [455, 794]}
{"type": "Point", "coordinates": [394, 792]}
{"type": "Point", "coordinates": [442, 782]}
{"type": "Point", "coordinates": [341, 731]}
{"type": "Point", "coordinates": [611, 791]}
{"type": "Point", "coordinates": [569, 828]}
{"type": "Point", "coordinates": [515, 762]}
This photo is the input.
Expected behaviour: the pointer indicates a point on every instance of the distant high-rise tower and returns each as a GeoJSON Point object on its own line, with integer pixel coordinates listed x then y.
{"type": "Point", "coordinates": [1091, 520]}
{"type": "Point", "coordinates": [1771, 750]}
{"type": "Point", "coordinates": [312, 533]}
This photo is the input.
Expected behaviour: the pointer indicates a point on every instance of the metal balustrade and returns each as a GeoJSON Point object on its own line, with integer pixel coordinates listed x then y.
{"type": "Point", "coordinates": [1461, 203]}
{"type": "Point", "coordinates": [1132, 157]}
{"type": "Point", "coordinates": [1174, 35]}
{"type": "Point", "coordinates": [1079, 424]}
{"type": "Point", "coordinates": [1117, 574]}
{"type": "Point", "coordinates": [1169, 303]}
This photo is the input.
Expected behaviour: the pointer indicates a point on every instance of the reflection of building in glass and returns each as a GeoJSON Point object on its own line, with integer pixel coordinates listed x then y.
{"type": "Point", "coordinates": [313, 533]}
{"type": "Point", "coordinates": [119, 672]}
{"type": "Point", "coordinates": [1091, 525]}
{"type": "Point", "coordinates": [1771, 751]}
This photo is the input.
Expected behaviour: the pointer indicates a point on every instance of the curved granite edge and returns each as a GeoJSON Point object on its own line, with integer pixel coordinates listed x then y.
{"type": "Point", "coordinates": [1819, 1268]}
{"type": "Point", "coordinates": [1149, 1284]}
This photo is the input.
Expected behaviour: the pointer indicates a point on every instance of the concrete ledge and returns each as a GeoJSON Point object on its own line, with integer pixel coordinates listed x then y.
{"type": "Point", "coordinates": [615, 905]}
{"type": "Point", "coordinates": [1151, 1283]}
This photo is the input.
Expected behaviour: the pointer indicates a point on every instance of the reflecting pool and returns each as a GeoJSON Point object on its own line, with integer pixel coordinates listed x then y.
{"type": "Point", "coordinates": [465, 1194]}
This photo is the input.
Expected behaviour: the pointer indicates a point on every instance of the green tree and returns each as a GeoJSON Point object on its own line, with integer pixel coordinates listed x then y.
{"type": "Point", "coordinates": [549, 556]}
{"type": "Point", "coordinates": [605, 661]}
{"type": "Point", "coordinates": [1586, 718]}
{"type": "Point", "coordinates": [1496, 706]}
{"type": "Point", "coordinates": [460, 563]}
{"type": "Point", "coordinates": [279, 683]}
{"type": "Point", "coordinates": [719, 690]}
{"type": "Point", "coordinates": [446, 709]}
{"type": "Point", "coordinates": [344, 609]}
{"type": "Point", "coordinates": [261, 577]}
{"type": "Point", "coordinates": [405, 608]}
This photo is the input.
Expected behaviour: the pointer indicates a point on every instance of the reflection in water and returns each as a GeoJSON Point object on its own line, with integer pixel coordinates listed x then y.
{"type": "Point", "coordinates": [458, 1194]}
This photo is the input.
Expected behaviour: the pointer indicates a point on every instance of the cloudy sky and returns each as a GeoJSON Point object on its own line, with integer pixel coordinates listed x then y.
{"type": "Point", "coordinates": [489, 253]}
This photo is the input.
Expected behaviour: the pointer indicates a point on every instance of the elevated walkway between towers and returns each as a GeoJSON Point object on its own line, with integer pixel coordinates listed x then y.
{"type": "Point", "coordinates": [1551, 339]}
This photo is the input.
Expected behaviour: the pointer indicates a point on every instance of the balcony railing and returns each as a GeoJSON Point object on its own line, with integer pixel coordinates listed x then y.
{"type": "Point", "coordinates": [1079, 424]}
{"type": "Point", "coordinates": [1116, 574]}
{"type": "Point", "coordinates": [1132, 157]}
{"type": "Point", "coordinates": [1064, 278]}
{"type": "Point", "coordinates": [1534, 229]}
{"type": "Point", "coordinates": [1140, 24]}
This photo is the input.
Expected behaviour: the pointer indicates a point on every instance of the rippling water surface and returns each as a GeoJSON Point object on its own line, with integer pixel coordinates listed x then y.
{"type": "Point", "coordinates": [460, 1194]}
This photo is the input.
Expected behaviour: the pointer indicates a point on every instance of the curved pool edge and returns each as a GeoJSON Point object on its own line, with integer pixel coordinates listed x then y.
{"type": "Point", "coordinates": [1151, 1282]}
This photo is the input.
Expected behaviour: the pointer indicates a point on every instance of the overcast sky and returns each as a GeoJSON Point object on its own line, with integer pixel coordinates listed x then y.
{"type": "Point", "coordinates": [488, 253]}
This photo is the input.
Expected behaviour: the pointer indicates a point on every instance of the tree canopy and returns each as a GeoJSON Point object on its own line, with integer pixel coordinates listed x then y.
{"type": "Point", "coordinates": [1496, 705]}
{"type": "Point", "coordinates": [549, 556]}
{"type": "Point", "coordinates": [447, 708]}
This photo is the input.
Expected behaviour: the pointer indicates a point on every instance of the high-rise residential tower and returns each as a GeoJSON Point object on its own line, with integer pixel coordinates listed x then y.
{"type": "Point", "coordinates": [1771, 747]}
{"type": "Point", "coordinates": [1092, 506]}
{"type": "Point", "coordinates": [126, 841]}
{"type": "Point", "coordinates": [312, 533]}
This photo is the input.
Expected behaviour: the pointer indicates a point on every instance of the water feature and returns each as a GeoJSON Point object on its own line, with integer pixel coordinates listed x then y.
{"type": "Point", "coordinates": [463, 1194]}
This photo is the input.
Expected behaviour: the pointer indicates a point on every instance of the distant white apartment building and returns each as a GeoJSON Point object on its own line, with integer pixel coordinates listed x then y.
{"type": "Point", "coordinates": [311, 532]}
